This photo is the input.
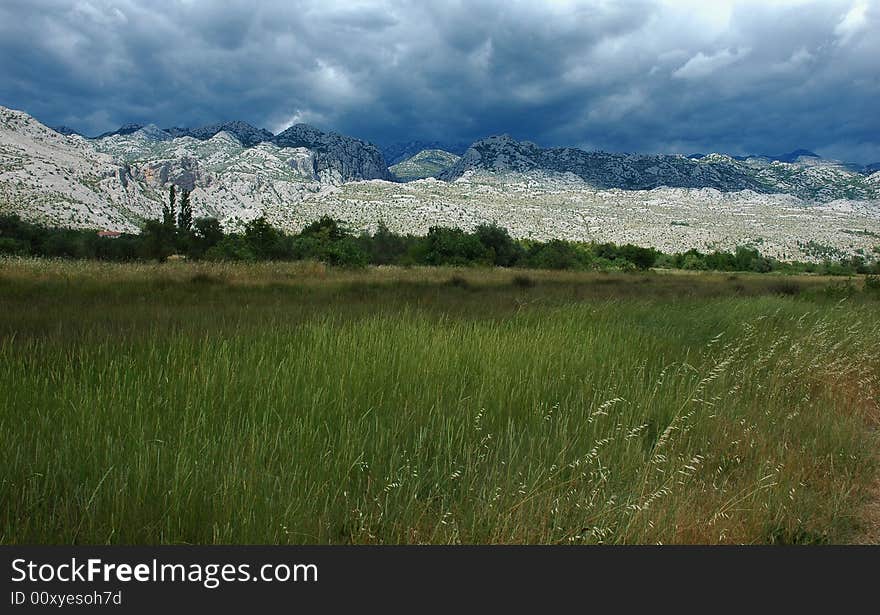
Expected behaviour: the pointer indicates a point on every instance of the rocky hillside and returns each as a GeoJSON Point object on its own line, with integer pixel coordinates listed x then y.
{"type": "Point", "coordinates": [398, 152]}
{"type": "Point", "coordinates": [427, 163]}
{"type": "Point", "coordinates": [808, 177]}
{"type": "Point", "coordinates": [337, 157]}
{"type": "Point", "coordinates": [246, 134]}
{"type": "Point", "coordinates": [117, 181]}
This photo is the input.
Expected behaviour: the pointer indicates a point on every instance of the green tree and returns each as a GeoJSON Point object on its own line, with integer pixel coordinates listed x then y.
{"type": "Point", "coordinates": [325, 228]}
{"type": "Point", "coordinates": [185, 216]}
{"type": "Point", "coordinates": [385, 247]}
{"type": "Point", "coordinates": [208, 230]}
{"type": "Point", "coordinates": [642, 258]}
{"type": "Point", "coordinates": [206, 234]}
{"type": "Point", "coordinates": [157, 240]}
{"type": "Point", "coordinates": [231, 248]}
{"type": "Point", "coordinates": [556, 254]}
{"type": "Point", "coordinates": [496, 238]}
{"type": "Point", "coordinates": [14, 247]}
{"type": "Point", "coordinates": [264, 241]}
{"type": "Point", "coordinates": [168, 210]}
{"type": "Point", "coordinates": [453, 246]}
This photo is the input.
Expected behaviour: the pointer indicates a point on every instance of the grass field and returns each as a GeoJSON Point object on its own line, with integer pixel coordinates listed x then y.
{"type": "Point", "coordinates": [291, 403]}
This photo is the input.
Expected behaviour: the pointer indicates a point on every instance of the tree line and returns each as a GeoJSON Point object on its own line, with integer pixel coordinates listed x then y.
{"type": "Point", "coordinates": [330, 241]}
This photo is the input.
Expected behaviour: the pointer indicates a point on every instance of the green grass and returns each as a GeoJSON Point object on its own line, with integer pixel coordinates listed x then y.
{"type": "Point", "coordinates": [291, 403]}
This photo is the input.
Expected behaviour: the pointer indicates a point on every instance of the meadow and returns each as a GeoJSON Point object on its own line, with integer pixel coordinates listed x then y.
{"type": "Point", "coordinates": [296, 403]}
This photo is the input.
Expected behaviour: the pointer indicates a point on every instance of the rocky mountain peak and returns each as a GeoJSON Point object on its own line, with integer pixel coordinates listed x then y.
{"type": "Point", "coordinates": [336, 155]}
{"type": "Point", "coordinates": [151, 132]}
{"type": "Point", "coordinates": [125, 129]}
{"type": "Point", "coordinates": [247, 134]}
{"type": "Point", "coordinates": [67, 131]}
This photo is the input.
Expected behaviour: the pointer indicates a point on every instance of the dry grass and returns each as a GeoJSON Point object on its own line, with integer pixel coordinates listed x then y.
{"type": "Point", "coordinates": [295, 403]}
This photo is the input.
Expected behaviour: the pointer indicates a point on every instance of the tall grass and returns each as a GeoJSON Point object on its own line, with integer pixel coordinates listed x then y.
{"type": "Point", "coordinates": [385, 407]}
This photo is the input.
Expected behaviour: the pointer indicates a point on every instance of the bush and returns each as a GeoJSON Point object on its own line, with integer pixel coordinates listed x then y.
{"type": "Point", "coordinates": [384, 247]}
{"type": "Point", "coordinates": [693, 262]}
{"type": "Point", "coordinates": [505, 251]}
{"type": "Point", "coordinates": [642, 258]}
{"type": "Point", "coordinates": [65, 245]}
{"type": "Point", "coordinates": [452, 246]}
{"type": "Point", "coordinates": [14, 247]}
{"type": "Point", "coordinates": [326, 228]}
{"type": "Point", "coordinates": [157, 241]}
{"type": "Point", "coordinates": [206, 234]}
{"type": "Point", "coordinates": [265, 241]}
{"type": "Point", "coordinates": [556, 254]}
{"type": "Point", "coordinates": [231, 248]}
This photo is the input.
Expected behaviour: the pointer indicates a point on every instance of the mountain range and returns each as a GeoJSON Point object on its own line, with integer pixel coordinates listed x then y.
{"type": "Point", "coordinates": [808, 177]}
{"type": "Point", "coordinates": [348, 157]}
{"type": "Point", "coordinates": [237, 171]}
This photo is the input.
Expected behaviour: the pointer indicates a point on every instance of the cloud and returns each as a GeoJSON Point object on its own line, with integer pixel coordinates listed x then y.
{"type": "Point", "coordinates": [702, 65]}
{"type": "Point", "coordinates": [853, 22]}
{"type": "Point", "coordinates": [646, 75]}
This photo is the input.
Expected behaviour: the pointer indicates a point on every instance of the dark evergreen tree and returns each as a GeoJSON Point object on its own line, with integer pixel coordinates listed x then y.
{"type": "Point", "coordinates": [168, 210]}
{"type": "Point", "coordinates": [185, 216]}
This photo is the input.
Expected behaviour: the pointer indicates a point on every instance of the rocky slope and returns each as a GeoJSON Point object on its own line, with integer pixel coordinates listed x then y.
{"type": "Point", "coordinates": [541, 205]}
{"type": "Point", "coordinates": [398, 152]}
{"type": "Point", "coordinates": [118, 181]}
{"type": "Point", "coordinates": [427, 163]}
{"type": "Point", "coordinates": [246, 134]}
{"type": "Point", "coordinates": [807, 178]}
{"type": "Point", "coordinates": [337, 156]}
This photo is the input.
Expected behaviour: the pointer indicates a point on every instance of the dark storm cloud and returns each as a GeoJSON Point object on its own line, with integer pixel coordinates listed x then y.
{"type": "Point", "coordinates": [649, 75]}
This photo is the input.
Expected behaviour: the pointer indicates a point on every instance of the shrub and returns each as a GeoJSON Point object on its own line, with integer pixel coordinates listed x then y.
{"type": "Point", "coordinates": [452, 246]}
{"type": "Point", "coordinates": [693, 262]}
{"type": "Point", "coordinates": [231, 248]}
{"type": "Point", "coordinates": [505, 251]}
{"type": "Point", "coordinates": [556, 254]}
{"type": "Point", "coordinates": [265, 241]}
{"type": "Point", "coordinates": [14, 247]}
{"type": "Point", "coordinates": [384, 246]}
{"type": "Point", "coordinates": [642, 258]}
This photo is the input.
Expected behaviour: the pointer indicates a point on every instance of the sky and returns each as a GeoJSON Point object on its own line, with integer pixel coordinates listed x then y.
{"type": "Point", "coordinates": [685, 76]}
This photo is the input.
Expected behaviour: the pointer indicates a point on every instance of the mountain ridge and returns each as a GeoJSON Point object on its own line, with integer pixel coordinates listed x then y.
{"type": "Point", "coordinates": [345, 157]}
{"type": "Point", "coordinates": [820, 180]}
{"type": "Point", "coordinates": [118, 182]}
